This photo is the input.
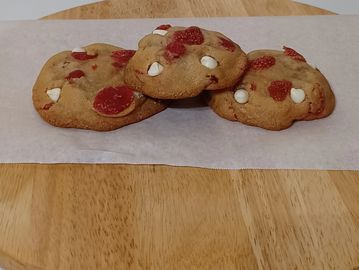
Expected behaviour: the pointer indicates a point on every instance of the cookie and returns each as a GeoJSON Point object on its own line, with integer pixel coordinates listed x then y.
{"type": "Point", "coordinates": [85, 88]}
{"type": "Point", "coordinates": [278, 88]}
{"type": "Point", "coordinates": [178, 62]}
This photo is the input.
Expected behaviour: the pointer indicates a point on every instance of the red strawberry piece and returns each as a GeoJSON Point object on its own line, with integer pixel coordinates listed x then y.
{"type": "Point", "coordinates": [75, 74]}
{"type": "Point", "coordinates": [174, 50]}
{"type": "Point", "coordinates": [113, 100]}
{"type": "Point", "coordinates": [190, 36]}
{"type": "Point", "coordinates": [122, 57]}
{"type": "Point", "coordinates": [82, 56]}
{"type": "Point", "coordinates": [279, 90]}
{"type": "Point", "coordinates": [262, 62]}
{"type": "Point", "coordinates": [227, 44]}
{"type": "Point", "coordinates": [47, 106]}
{"type": "Point", "coordinates": [292, 53]}
{"type": "Point", "coordinates": [164, 27]}
{"type": "Point", "coordinates": [253, 86]}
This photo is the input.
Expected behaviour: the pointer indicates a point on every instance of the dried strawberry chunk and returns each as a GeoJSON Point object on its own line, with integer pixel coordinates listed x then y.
{"type": "Point", "coordinates": [253, 86]}
{"type": "Point", "coordinates": [262, 62]}
{"type": "Point", "coordinates": [174, 50]}
{"type": "Point", "coordinates": [164, 27]}
{"type": "Point", "coordinates": [190, 36]}
{"type": "Point", "coordinates": [279, 90]}
{"type": "Point", "coordinates": [82, 56]}
{"type": "Point", "coordinates": [47, 106]}
{"type": "Point", "coordinates": [75, 74]}
{"type": "Point", "coordinates": [293, 54]}
{"type": "Point", "coordinates": [122, 57]}
{"type": "Point", "coordinates": [227, 44]}
{"type": "Point", "coordinates": [113, 100]}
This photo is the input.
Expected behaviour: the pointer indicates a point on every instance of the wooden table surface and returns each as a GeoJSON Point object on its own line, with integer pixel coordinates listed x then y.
{"type": "Point", "coordinates": [162, 217]}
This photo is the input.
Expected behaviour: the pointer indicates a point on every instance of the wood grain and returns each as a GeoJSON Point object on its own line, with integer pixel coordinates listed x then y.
{"type": "Point", "coordinates": [71, 216]}
{"type": "Point", "coordinates": [160, 217]}
{"type": "Point", "coordinates": [186, 8]}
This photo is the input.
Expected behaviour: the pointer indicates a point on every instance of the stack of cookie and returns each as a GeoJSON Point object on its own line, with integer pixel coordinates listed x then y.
{"type": "Point", "coordinates": [103, 87]}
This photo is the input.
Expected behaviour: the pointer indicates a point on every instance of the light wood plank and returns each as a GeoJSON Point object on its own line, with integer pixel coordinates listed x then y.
{"type": "Point", "coordinates": [103, 216]}
{"type": "Point", "coordinates": [298, 220]}
{"type": "Point", "coordinates": [143, 217]}
{"type": "Point", "coordinates": [186, 8]}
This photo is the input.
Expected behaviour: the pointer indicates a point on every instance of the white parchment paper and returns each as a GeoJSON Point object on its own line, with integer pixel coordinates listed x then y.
{"type": "Point", "coordinates": [192, 136]}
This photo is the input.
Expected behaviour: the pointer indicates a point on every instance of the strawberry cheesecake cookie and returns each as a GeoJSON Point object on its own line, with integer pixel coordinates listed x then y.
{"type": "Point", "coordinates": [178, 62]}
{"type": "Point", "coordinates": [84, 88]}
{"type": "Point", "coordinates": [278, 88]}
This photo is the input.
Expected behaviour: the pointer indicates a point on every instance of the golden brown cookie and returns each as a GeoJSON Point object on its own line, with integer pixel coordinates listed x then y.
{"type": "Point", "coordinates": [278, 88]}
{"type": "Point", "coordinates": [85, 89]}
{"type": "Point", "coordinates": [178, 62]}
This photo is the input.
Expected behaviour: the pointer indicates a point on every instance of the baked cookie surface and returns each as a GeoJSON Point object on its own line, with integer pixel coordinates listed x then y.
{"type": "Point", "coordinates": [85, 88]}
{"type": "Point", "coordinates": [179, 62]}
{"type": "Point", "coordinates": [278, 88]}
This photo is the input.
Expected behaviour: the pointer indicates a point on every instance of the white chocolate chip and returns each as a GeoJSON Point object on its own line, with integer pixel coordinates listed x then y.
{"type": "Point", "coordinates": [297, 95]}
{"type": "Point", "coordinates": [79, 50]}
{"type": "Point", "coordinates": [138, 94]}
{"type": "Point", "coordinates": [160, 32]}
{"type": "Point", "coordinates": [241, 96]}
{"type": "Point", "coordinates": [54, 94]}
{"type": "Point", "coordinates": [312, 65]}
{"type": "Point", "coordinates": [155, 69]}
{"type": "Point", "coordinates": [209, 62]}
